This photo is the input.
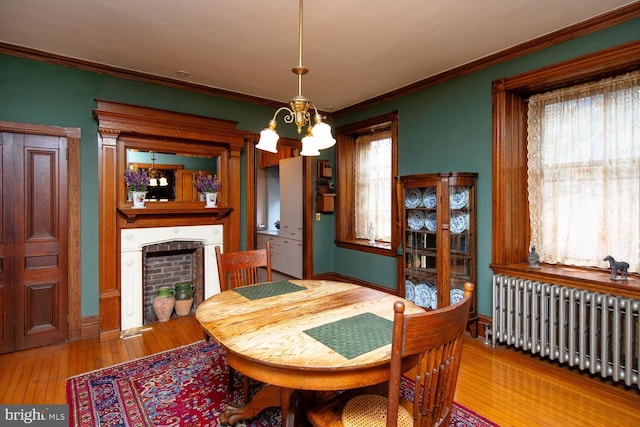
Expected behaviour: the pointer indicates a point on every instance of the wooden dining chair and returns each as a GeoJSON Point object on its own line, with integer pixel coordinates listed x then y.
{"type": "Point", "coordinates": [436, 338]}
{"type": "Point", "coordinates": [236, 269]}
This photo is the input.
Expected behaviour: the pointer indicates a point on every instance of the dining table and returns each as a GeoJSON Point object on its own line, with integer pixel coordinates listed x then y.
{"type": "Point", "coordinates": [299, 337]}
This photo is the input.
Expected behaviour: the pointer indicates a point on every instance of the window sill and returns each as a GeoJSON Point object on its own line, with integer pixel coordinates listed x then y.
{"type": "Point", "coordinates": [363, 245]}
{"type": "Point", "coordinates": [592, 279]}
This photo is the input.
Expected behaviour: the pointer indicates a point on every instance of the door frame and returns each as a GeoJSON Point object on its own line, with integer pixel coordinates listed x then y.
{"type": "Point", "coordinates": [76, 329]}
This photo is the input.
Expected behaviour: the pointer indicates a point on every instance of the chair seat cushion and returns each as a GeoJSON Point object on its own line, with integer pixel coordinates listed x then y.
{"type": "Point", "coordinates": [370, 410]}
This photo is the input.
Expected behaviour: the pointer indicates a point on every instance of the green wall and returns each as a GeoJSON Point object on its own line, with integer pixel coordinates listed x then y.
{"type": "Point", "coordinates": [443, 128]}
{"type": "Point", "coordinates": [447, 128]}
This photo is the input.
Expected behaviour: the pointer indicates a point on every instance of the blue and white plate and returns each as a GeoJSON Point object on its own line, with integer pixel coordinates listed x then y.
{"type": "Point", "coordinates": [459, 222]}
{"type": "Point", "coordinates": [431, 221]}
{"type": "Point", "coordinates": [429, 198]}
{"type": "Point", "coordinates": [409, 290]}
{"type": "Point", "coordinates": [415, 219]}
{"type": "Point", "coordinates": [412, 198]}
{"type": "Point", "coordinates": [423, 295]}
{"type": "Point", "coordinates": [459, 197]}
{"type": "Point", "coordinates": [456, 295]}
{"type": "Point", "coordinates": [434, 296]}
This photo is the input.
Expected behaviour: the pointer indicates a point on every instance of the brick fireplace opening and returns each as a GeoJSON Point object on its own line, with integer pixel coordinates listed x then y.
{"type": "Point", "coordinates": [168, 263]}
{"type": "Point", "coordinates": [134, 241]}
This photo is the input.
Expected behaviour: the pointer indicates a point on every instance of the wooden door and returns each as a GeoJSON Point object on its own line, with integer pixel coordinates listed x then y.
{"type": "Point", "coordinates": [33, 241]}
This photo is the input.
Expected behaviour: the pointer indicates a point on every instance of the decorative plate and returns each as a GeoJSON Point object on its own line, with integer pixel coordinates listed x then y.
{"type": "Point", "coordinates": [431, 221]}
{"type": "Point", "coordinates": [429, 198]}
{"type": "Point", "coordinates": [434, 296]}
{"type": "Point", "coordinates": [415, 220]}
{"type": "Point", "coordinates": [459, 222]}
{"type": "Point", "coordinates": [459, 197]}
{"type": "Point", "coordinates": [409, 290]}
{"type": "Point", "coordinates": [456, 295]}
{"type": "Point", "coordinates": [412, 198]}
{"type": "Point", "coordinates": [422, 295]}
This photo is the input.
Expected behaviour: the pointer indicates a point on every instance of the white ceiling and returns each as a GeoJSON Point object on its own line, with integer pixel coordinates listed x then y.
{"type": "Point", "coordinates": [355, 49]}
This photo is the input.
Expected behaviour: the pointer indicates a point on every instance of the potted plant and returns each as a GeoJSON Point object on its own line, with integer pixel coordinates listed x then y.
{"type": "Point", "coordinates": [137, 182]}
{"type": "Point", "coordinates": [209, 186]}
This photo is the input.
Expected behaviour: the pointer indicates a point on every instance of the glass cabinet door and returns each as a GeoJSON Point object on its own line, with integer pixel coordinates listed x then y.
{"type": "Point", "coordinates": [421, 272]}
{"type": "Point", "coordinates": [438, 237]}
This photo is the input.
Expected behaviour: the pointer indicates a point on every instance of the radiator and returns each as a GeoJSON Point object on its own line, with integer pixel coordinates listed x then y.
{"type": "Point", "coordinates": [593, 332]}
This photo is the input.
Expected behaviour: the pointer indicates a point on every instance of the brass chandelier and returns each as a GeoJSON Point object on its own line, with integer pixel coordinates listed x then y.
{"type": "Point", "coordinates": [318, 137]}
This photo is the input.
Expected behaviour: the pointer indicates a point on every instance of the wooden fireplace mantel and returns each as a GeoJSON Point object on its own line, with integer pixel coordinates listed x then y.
{"type": "Point", "coordinates": [123, 126]}
{"type": "Point", "coordinates": [160, 210]}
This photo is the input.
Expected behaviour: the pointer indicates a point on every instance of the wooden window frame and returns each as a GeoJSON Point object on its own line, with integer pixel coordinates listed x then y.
{"type": "Point", "coordinates": [510, 220]}
{"type": "Point", "coordinates": [345, 160]}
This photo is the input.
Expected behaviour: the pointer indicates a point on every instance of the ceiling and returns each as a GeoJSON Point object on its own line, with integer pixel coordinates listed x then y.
{"type": "Point", "coordinates": [355, 49]}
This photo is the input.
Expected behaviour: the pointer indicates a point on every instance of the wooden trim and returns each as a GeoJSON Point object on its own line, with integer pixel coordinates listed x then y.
{"type": "Point", "coordinates": [89, 327]}
{"type": "Point", "coordinates": [601, 22]}
{"type": "Point", "coordinates": [250, 195]}
{"type": "Point", "coordinates": [345, 163]}
{"type": "Point", "coordinates": [121, 126]}
{"type": "Point", "coordinates": [510, 209]}
{"type": "Point", "coordinates": [52, 58]}
{"type": "Point", "coordinates": [74, 251]}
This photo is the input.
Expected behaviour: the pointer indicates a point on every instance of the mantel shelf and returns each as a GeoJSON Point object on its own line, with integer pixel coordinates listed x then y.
{"type": "Point", "coordinates": [159, 210]}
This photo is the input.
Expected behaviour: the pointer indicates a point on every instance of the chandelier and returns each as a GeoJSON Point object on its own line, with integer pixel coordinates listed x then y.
{"type": "Point", "coordinates": [318, 136]}
{"type": "Point", "coordinates": [154, 175]}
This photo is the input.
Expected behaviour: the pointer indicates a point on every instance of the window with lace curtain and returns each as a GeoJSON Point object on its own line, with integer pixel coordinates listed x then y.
{"type": "Point", "coordinates": [366, 167]}
{"type": "Point", "coordinates": [373, 186]}
{"type": "Point", "coordinates": [584, 172]}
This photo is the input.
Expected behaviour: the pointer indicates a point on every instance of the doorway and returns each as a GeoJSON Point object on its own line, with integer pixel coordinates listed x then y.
{"type": "Point", "coordinates": [34, 237]}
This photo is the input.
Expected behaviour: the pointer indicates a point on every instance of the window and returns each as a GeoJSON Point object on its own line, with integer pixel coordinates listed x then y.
{"type": "Point", "coordinates": [366, 168]}
{"type": "Point", "coordinates": [511, 232]}
{"type": "Point", "coordinates": [584, 172]}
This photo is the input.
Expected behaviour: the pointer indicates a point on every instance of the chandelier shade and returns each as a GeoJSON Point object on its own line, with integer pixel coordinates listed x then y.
{"type": "Point", "coordinates": [318, 136]}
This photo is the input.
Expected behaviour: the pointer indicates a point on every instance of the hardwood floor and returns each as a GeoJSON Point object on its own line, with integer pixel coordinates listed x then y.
{"type": "Point", "coordinates": [509, 387]}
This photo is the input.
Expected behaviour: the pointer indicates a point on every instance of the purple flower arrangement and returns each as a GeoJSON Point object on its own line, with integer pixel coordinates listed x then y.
{"type": "Point", "coordinates": [207, 184]}
{"type": "Point", "coordinates": [136, 180]}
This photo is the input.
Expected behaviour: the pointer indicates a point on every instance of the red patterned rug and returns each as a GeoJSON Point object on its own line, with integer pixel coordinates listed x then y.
{"type": "Point", "coordinates": [186, 386]}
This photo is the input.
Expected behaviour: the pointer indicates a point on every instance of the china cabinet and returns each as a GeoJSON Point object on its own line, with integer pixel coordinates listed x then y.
{"type": "Point", "coordinates": [438, 215]}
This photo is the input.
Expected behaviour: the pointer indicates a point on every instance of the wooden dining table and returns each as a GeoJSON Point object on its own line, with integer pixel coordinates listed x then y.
{"type": "Point", "coordinates": [297, 336]}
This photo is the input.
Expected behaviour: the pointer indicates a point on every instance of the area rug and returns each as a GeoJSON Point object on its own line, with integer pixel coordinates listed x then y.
{"type": "Point", "coordinates": [187, 386]}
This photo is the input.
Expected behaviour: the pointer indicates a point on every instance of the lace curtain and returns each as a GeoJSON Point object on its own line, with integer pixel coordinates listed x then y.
{"type": "Point", "coordinates": [373, 185]}
{"type": "Point", "coordinates": [584, 173]}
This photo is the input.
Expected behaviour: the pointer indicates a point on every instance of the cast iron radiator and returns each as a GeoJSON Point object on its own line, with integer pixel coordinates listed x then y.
{"type": "Point", "coordinates": [594, 332]}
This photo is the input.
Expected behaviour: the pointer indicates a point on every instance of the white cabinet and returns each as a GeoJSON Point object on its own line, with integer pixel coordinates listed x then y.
{"type": "Point", "coordinates": [291, 198]}
{"type": "Point", "coordinates": [286, 253]}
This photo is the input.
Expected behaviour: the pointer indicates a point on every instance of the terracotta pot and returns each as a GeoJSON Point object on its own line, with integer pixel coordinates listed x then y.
{"type": "Point", "coordinates": [183, 307]}
{"type": "Point", "coordinates": [163, 305]}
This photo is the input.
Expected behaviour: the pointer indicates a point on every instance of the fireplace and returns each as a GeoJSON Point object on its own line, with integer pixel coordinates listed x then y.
{"type": "Point", "coordinates": [166, 264]}
{"type": "Point", "coordinates": [132, 243]}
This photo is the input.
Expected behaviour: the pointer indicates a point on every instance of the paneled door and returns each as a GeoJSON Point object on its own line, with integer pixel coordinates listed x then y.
{"type": "Point", "coordinates": [33, 241]}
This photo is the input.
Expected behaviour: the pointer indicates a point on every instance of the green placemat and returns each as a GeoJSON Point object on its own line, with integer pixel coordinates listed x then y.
{"type": "Point", "coordinates": [355, 335]}
{"type": "Point", "coordinates": [271, 289]}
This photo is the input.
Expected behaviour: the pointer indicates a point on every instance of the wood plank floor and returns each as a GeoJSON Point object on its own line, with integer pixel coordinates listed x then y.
{"type": "Point", "coordinates": [509, 387]}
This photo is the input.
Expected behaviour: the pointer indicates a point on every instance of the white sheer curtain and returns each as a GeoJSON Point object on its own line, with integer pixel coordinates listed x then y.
{"type": "Point", "coordinates": [373, 182]}
{"type": "Point", "coordinates": [584, 173]}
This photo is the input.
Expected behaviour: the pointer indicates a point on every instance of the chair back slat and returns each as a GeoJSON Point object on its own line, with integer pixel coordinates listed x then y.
{"type": "Point", "coordinates": [437, 337]}
{"type": "Point", "coordinates": [236, 269]}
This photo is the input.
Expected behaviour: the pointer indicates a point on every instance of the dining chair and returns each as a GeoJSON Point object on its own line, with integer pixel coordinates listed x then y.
{"type": "Point", "coordinates": [236, 269]}
{"type": "Point", "coordinates": [435, 338]}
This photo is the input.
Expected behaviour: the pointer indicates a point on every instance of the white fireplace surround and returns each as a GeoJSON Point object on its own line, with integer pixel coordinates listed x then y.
{"type": "Point", "coordinates": [132, 240]}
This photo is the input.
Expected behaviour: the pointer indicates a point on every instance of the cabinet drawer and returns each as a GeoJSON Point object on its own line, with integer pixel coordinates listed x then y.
{"type": "Point", "coordinates": [290, 232]}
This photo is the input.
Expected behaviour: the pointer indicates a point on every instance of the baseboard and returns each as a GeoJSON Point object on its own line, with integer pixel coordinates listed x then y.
{"type": "Point", "coordinates": [89, 327]}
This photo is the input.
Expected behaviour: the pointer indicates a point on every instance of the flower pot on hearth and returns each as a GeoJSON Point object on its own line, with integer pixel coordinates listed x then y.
{"type": "Point", "coordinates": [183, 306]}
{"type": "Point", "coordinates": [164, 303]}
{"type": "Point", "coordinates": [184, 293]}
